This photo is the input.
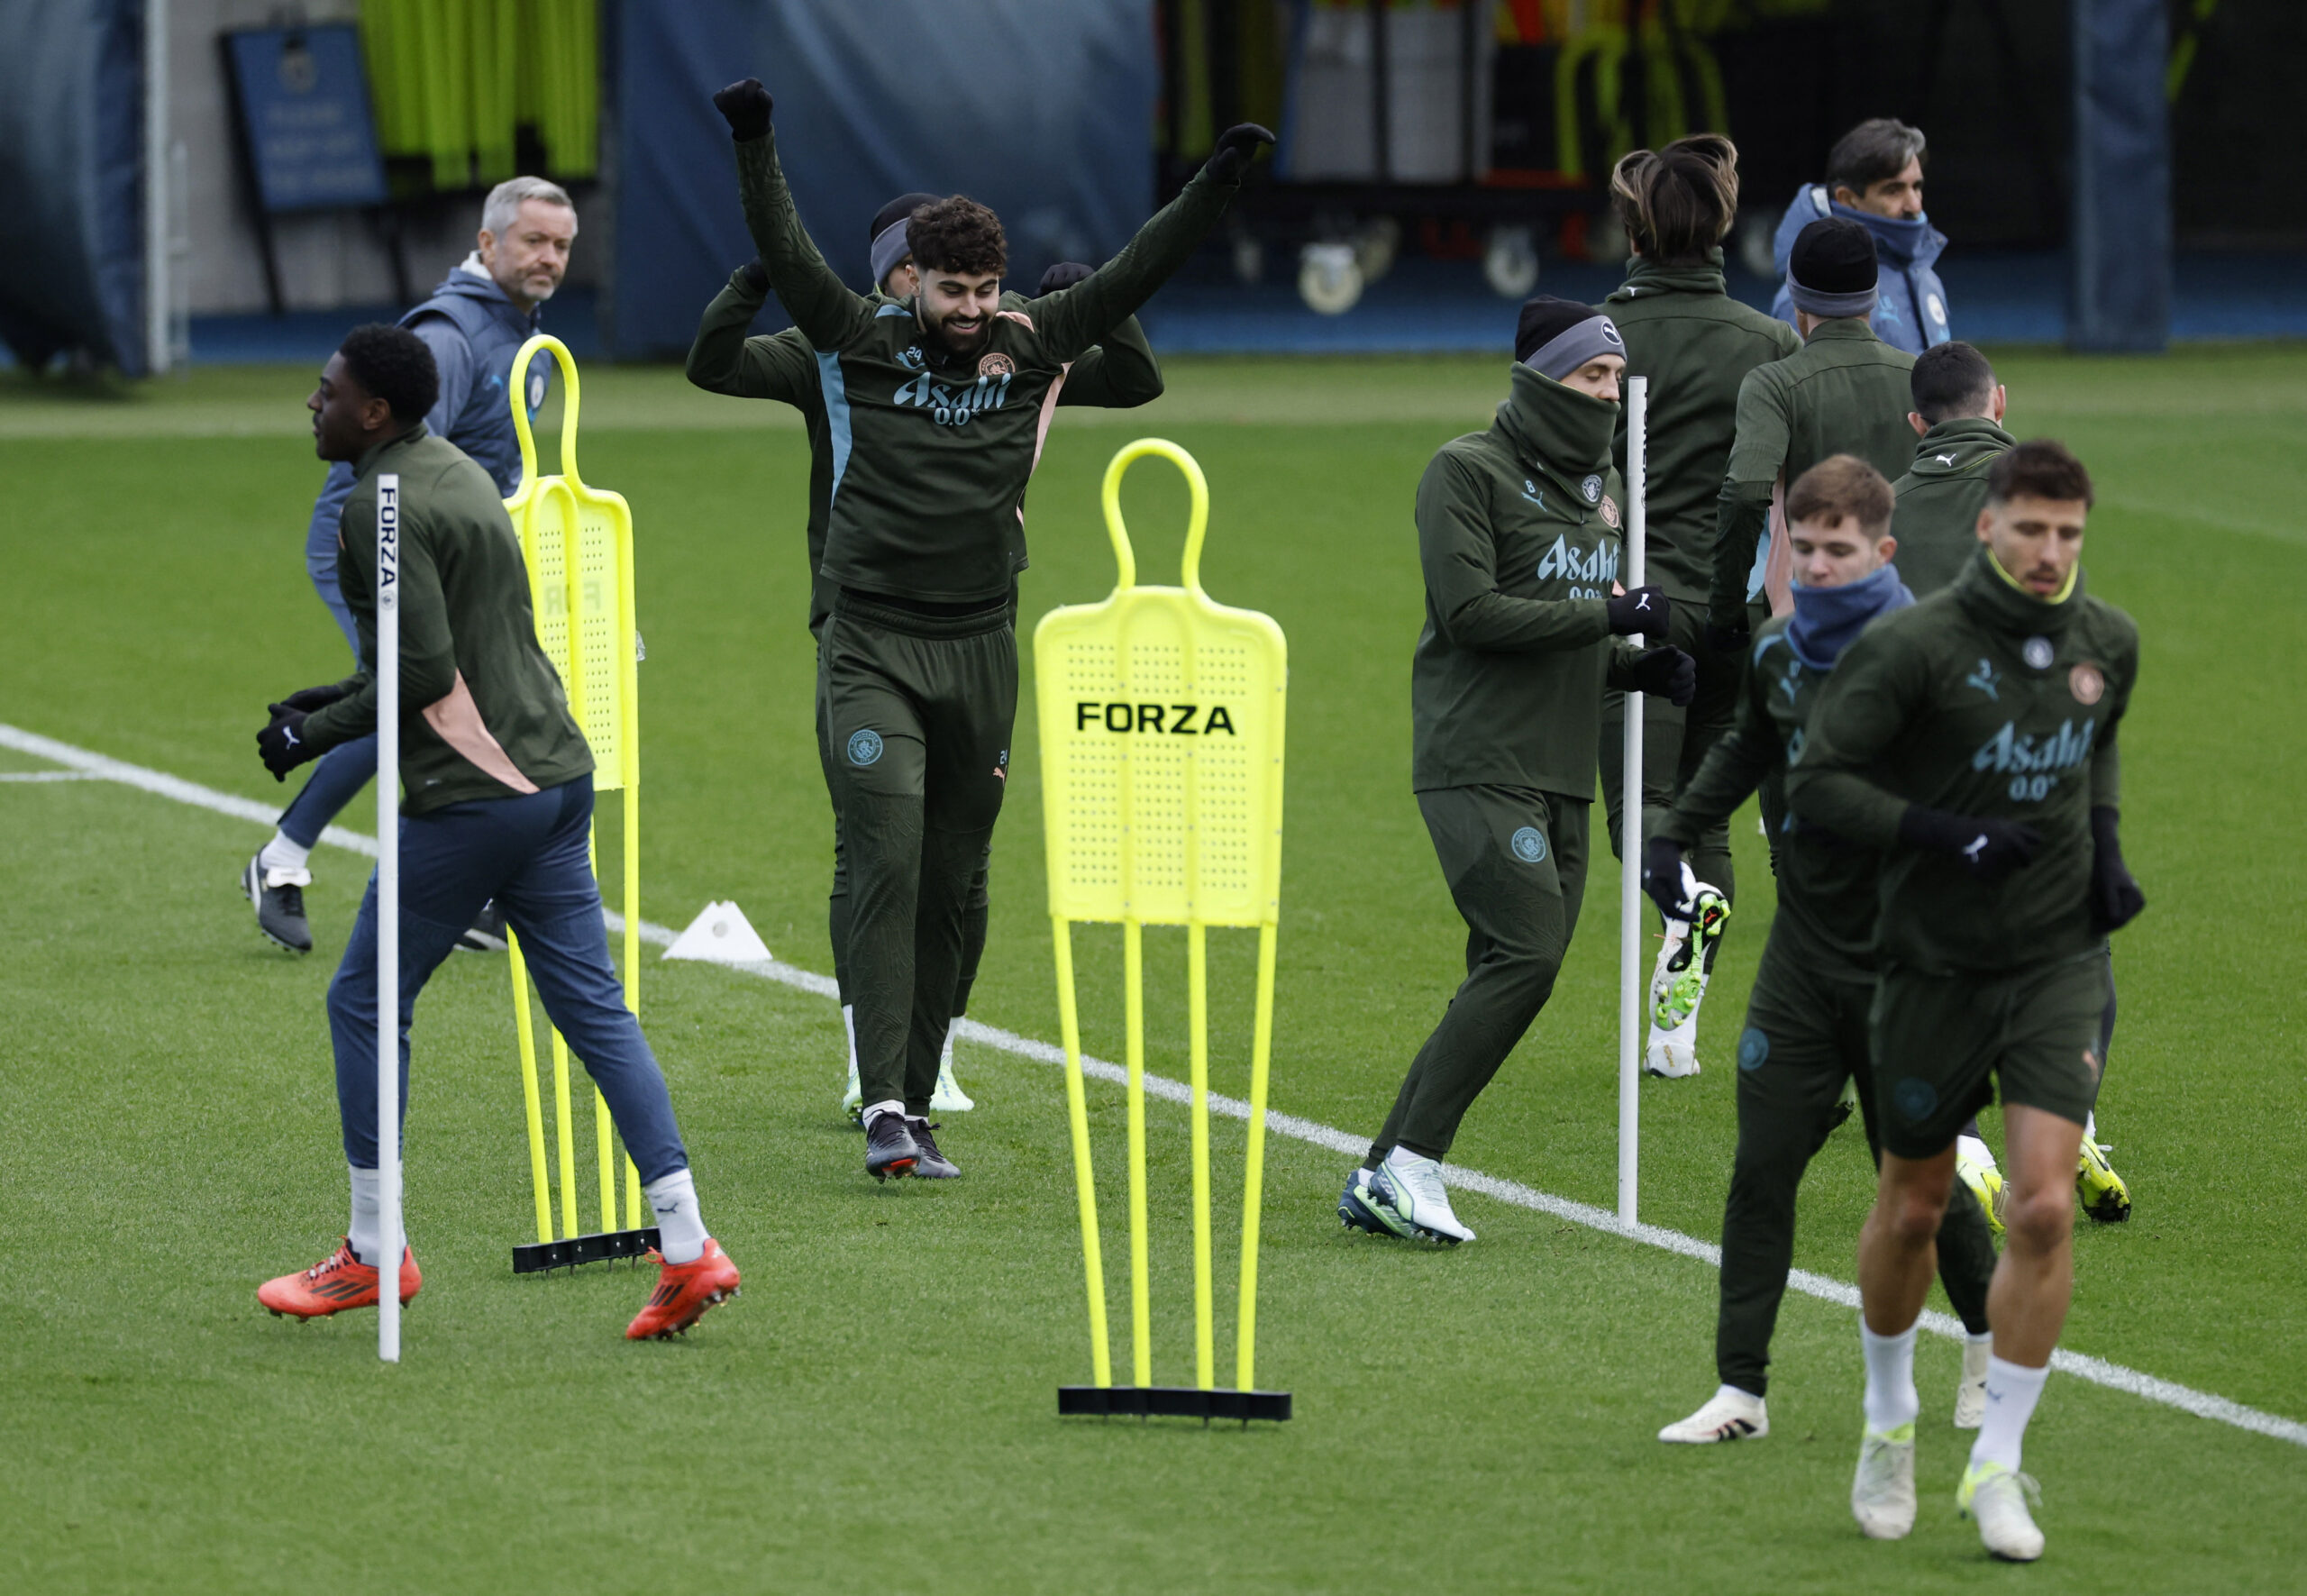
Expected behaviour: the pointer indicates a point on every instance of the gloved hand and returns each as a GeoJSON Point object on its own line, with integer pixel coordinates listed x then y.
{"type": "Point", "coordinates": [1992, 848]}
{"type": "Point", "coordinates": [755, 276]}
{"type": "Point", "coordinates": [1237, 146]}
{"type": "Point", "coordinates": [1063, 275]}
{"type": "Point", "coordinates": [1645, 610]}
{"type": "Point", "coordinates": [1666, 878]}
{"type": "Point", "coordinates": [1726, 640]}
{"type": "Point", "coordinates": [744, 105]}
{"type": "Point", "coordinates": [281, 745]}
{"type": "Point", "coordinates": [2115, 897]}
{"type": "Point", "coordinates": [310, 699]}
{"type": "Point", "coordinates": [1668, 672]}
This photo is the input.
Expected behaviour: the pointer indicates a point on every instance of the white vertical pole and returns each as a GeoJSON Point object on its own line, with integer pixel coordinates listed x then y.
{"type": "Point", "coordinates": [159, 345]}
{"type": "Point", "coordinates": [388, 912]}
{"type": "Point", "coordinates": [1630, 830]}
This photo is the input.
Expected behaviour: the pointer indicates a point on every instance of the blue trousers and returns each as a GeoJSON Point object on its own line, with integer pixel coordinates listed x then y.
{"type": "Point", "coordinates": [343, 770]}
{"type": "Point", "coordinates": [530, 855]}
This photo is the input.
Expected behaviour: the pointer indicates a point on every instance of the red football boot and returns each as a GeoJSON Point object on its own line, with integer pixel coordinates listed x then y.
{"type": "Point", "coordinates": [336, 1283]}
{"type": "Point", "coordinates": [684, 1291]}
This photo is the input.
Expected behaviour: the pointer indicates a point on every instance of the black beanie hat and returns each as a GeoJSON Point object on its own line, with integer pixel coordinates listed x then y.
{"type": "Point", "coordinates": [1555, 337]}
{"type": "Point", "coordinates": [897, 210]}
{"type": "Point", "coordinates": [1545, 319]}
{"type": "Point", "coordinates": [1833, 256]}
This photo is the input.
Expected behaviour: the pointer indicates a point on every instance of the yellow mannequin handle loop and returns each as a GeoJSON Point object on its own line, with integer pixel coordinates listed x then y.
{"type": "Point", "coordinates": [517, 395]}
{"type": "Point", "coordinates": [1197, 521]}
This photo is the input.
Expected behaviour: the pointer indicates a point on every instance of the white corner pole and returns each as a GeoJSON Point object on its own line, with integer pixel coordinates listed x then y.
{"type": "Point", "coordinates": [1637, 397]}
{"type": "Point", "coordinates": [388, 912]}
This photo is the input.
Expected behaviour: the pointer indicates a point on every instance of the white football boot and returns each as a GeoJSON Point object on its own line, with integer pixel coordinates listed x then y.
{"type": "Point", "coordinates": [1970, 1391]}
{"type": "Point", "coordinates": [1974, 1166]}
{"type": "Point", "coordinates": [1997, 1497]}
{"type": "Point", "coordinates": [1412, 1186]}
{"type": "Point", "coordinates": [1730, 1415]}
{"type": "Point", "coordinates": [1678, 984]}
{"type": "Point", "coordinates": [1881, 1495]}
{"type": "Point", "coordinates": [949, 1098]}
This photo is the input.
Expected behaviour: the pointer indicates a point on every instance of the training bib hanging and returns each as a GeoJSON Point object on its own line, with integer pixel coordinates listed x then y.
{"type": "Point", "coordinates": [1161, 715]}
{"type": "Point", "coordinates": [578, 544]}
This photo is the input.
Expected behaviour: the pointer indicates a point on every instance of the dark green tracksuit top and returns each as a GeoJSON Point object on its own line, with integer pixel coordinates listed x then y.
{"type": "Point", "coordinates": [1119, 374]}
{"type": "Point", "coordinates": [483, 713]}
{"type": "Point", "coordinates": [1696, 344]}
{"type": "Point", "coordinates": [1937, 522]}
{"type": "Point", "coordinates": [1844, 392]}
{"type": "Point", "coordinates": [1982, 700]}
{"type": "Point", "coordinates": [930, 462]}
{"type": "Point", "coordinates": [1517, 534]}
{"type": "Point", "coordinates": [1827, 886]}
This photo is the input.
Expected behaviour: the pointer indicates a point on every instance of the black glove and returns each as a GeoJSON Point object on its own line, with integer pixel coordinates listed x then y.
{"type": "Point", "coordinates": [1662, 877]}
{"type": "Point", "coordinates": [1992, 848]}
{"type": "Point", "coordinates": [1645, 610]}
{"type": "Point", "coordinates": [1237, 146]}
{"type": "Point", "coordinates": [1668, 672]}
{"type": "Point", "coordinates": [281, 745]}
{"type": "Point", "coordinates": [2115, 898]}
{"type": "Point", "coordinates": [755, 276]}
{"type": "Point", "coordinates": [310, 699]}
{"type": "Point", "coordinates": [1726, 640]}
{"type": "Point", "coordinates": [744, 106]}
{"type": "Point", "coordinates": [1063, 275]}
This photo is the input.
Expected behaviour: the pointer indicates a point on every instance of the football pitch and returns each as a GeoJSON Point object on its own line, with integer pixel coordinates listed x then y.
{"type": "Point", "coordinates": [875, 1411]}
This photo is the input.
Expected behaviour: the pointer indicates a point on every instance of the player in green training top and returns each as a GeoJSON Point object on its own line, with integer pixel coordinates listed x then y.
{"type": "Point", "coordinates": [1805, 1038]}
{"type": "Point", "coordinates": [936, 407]}
{"type": "Point", "coordinates": [1696, 344]}
{"type": "Point", "coordinates": [1973, 739]}
{"type": "Point", "coordinates": [1117, 374]}
{"type": "Point", "coordinates": [1519, 538]}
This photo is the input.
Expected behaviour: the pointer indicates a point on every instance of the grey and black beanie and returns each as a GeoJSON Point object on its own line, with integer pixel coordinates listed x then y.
{"type": "Point", "coordinates": [1554, 337]}
{"type": "Point", "coordinates": [885, 240]}
{"type": "Point", "coordinates": [1830, 271]}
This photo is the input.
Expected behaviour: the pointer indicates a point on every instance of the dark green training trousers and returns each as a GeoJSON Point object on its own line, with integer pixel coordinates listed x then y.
{"type": "Point", "coordinates": [1805, 1033]}
{"type": "Point", "coordinates": [1516, 862]}
{"type": "Point", "coordinates": [918, 710]}
{"type": "Point", "coordinates": [1674, 742]}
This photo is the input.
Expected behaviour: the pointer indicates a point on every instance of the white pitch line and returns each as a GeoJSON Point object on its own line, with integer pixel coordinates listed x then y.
{"type": "Point", "coordinates": [2095, 1371]}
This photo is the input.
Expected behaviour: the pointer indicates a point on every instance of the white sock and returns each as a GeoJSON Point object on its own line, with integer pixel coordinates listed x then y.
{"type": "Point", "coordinates": [1402, 1158]}
{"type": "Point", "coordinates": [2012, 1390]}
{"type": "Point", "coordinates": [1975, 1148]}
{"type": "Point", "coordinates": [873, 1111]}
{"type": "Point", "coordinates": [284, 862]}
{"type": "Point", "coordinates": [1725, 1393]}
{"type": "Point", "coordinates": [366, 1231]}
{"type": "Point", "coordinates": [1890, 1399]}
{"type": "Point", "coordinates": [680, 1229]}
{"type": "Point", "coordinates": [2090, 1126]}
{"type": "Point", "coordinates": [849, 1023]}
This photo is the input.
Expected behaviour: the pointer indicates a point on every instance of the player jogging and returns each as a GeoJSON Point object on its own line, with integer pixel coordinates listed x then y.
{"type": "Point", "coordinates": [1696, 344]}
{"type": "Point", "coordinates": [1517, 536]}
{"type": "Point", "coordinates": [1805, 1037]}
{"type": "Point", "coordinates": [943, 402]}
{"type": "Point", "coordinates": [1972, 738]}
{"type": "Point", "coordinates": [1119, 374]}
{"type": "Point", "coordinates": [499, 804]}
{"type": "Point", "coordinates": [474, 323]}
{"type": "Point", "coordinates": [1958, 407]}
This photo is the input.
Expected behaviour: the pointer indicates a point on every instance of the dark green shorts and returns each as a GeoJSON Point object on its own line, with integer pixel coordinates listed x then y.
{"type": "Point", "coordinates": [1944, 1044]}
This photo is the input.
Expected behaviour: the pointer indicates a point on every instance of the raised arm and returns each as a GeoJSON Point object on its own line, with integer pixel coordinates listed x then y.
{"type": "Point", "coordinates": [725, 360]}
{"type": "Point", "coordinates": [1118, 373]}
{"type": "Point", "coordinates": [820, 304]}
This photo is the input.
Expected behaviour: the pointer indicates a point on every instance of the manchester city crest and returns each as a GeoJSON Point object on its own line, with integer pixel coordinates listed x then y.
{"type": "Point", "coordinates": [864, 746]}
{"type": "Point", "coordinates": [1530, 845]}
{"type": "Point", "coordinates": [2038, 652]}
{"type": "Point", "coordinates": [1592, 489]}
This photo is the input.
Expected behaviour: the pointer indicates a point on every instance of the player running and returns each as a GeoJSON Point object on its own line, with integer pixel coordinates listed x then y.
{"type": "Point", "coordinates": [499, 805]}
{"type": "Point", "coordinates": [1119, 374]}
{"type": "Point", "coordinates": [1696, 344]}
{"type": "Point", "coordinates": [1518, 533]}
{"type": "Point", "coordinates": [943, 402]}
{"type": "Point", "coordinates": [1806, 1022]}
{"type": "Point", "coordinates": [474, 323]}
{"type": "Point", "coordinates": [1972, 738]}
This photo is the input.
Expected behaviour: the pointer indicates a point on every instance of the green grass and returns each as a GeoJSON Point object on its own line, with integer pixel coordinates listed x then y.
{"type": "Point", "coordinates": [876, 1410]}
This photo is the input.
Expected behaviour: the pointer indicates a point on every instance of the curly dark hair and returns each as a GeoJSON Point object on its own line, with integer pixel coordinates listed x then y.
{"type": "Point", "coordinates": [957, 235]}
{"type": "Point", "coordinates": [392, 364]}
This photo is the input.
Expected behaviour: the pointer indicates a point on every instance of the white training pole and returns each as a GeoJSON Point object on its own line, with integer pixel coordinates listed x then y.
{"type": "Point", "coordinates": [388, 912]}
{"type": "Point", "coordinates": [1637, 397]}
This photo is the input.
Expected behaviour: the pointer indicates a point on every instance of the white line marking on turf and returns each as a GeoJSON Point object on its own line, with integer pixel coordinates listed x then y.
{"type": "Point", "coordinates": [2096, 1371]}
{"type": "Point", "coordinates": [49, 776]}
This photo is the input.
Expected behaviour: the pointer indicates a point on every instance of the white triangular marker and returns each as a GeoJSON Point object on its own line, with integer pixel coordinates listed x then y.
{"type": "Point", "coordinates": [721, 935]}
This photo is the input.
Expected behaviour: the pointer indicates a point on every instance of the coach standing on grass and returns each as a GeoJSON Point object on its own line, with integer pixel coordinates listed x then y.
{"type": "Point", "coordinates": [1518, 539]}
{"type": "Point", "coordinates": [1696, 344]}
{"type": "Point", "coordinates": [1972, 739]}
{"type": "Point", "coordinates": [1874, 178]}
{"type": "Point", "coordinates": [1805, 1037]}
{"type": "Point", "coordinates": [943, 401]}
{"type": "Point", "coordinates": [1119, 374]}
{"type": "Point", "coordinates": [474, 323]}
{"type": "Point", "coordinates": [499, 804]}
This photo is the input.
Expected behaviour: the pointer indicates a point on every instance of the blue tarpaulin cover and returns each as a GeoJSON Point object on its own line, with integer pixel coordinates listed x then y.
{"type": "Point", "coordinates": [2120, 243]}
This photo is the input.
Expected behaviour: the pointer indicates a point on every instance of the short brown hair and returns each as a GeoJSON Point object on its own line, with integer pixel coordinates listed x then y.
{"type": "Point", "coordinates": [956, 233]}
{"type": "Point", "coordinates": [2040, 468]}
{"type": "Point", "coordinates": [1842, 487]}
{"type": "Point", "coordinates": [1678, 202]}
{"type": "Point", "coordinates": [1874, 151]}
